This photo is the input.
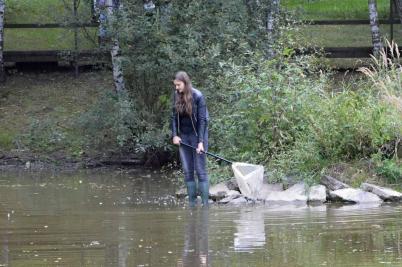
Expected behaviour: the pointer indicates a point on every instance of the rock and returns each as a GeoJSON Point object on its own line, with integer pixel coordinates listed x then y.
{"type": "Point", "coordinates": [267, 189]}
{"type": "Point", "coordinates": [239, 200]}
{"type": "Point", "coordinates": [233, 194]}
{"type": "Point", "coordinates": [232, 184]}
{"type": "Point", "coordinates": [354, 195]}
{"type": "Point", "coordinates": [181, 193]}
{"type": "Point", "coordinates": [299, 188]}
{"type": "Point", "coordinates": [317, 193]}
{"type": "Point", "coordinates": [386, 194]}
{"type": "Point", "coordinates": [295, 193]}
{"type": "Point", "coordinates": [332, 184]}
{"type": "Point", "coordinates": [249, 177]}
{"type": "Point", "coordinates": [218, 191]}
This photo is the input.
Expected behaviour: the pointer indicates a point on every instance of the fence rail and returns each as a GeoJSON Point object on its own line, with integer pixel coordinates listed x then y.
{"type": "Point", "coordinates": [55, 56]}
{"type": "Point", "coordinates": [48, 25]}
{"type": "Point", "coordinates": [350, 22]}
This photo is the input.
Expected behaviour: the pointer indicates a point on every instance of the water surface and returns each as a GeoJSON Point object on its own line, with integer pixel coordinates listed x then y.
{"type": "Point", "coordinates": [130, 218]}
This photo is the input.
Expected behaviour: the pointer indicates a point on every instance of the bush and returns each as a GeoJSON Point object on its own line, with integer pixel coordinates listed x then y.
{"type": "Point", "coordinates": [280, 113]}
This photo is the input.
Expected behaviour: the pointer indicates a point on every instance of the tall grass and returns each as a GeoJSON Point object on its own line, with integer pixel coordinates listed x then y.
{"type": "Point", "coordinates": [385, 73]}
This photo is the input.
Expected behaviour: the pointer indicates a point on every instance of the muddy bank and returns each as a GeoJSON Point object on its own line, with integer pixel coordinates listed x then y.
{"type": "Point", "coordinates": [29, 160]}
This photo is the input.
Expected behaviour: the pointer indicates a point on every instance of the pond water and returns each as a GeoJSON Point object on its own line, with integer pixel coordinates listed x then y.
{"type": "Point", "coordinates": [131, 218]}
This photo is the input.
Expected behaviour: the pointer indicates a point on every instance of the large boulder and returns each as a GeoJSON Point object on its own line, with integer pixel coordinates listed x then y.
{"type": "Point", "coordinates": [232, 184]}
{"type": "Point", "coordinates": [385, 194]}
{"type": "Point", "coordinates": [354, 195]}
{"type": "Point", "coordinates": [267, 189]}
{"type": "Point", "coordinates": [238, 201]}
{"type": "Point", "coordinates": [218, 191]}
{"type": "Point", "coordinates": [295, 193]}
{"type": "Point", "coordinates": [332, 184]}
{"type": "Point", "coordinates": [317, 193]}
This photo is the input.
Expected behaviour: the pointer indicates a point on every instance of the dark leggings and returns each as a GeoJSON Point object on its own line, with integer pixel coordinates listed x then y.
{"type": "Point", "coordinates": [192, 161]}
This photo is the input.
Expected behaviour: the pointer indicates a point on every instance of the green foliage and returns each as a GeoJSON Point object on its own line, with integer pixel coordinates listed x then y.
{"type": "Point", "coordinates": [6, 140]}
{"type": "Point", "coordinates": [274, 114]}
{"type": "Point", "coordinates": [263, 107]}
{"type": "Point", "coordinates": [218, 173]}
{"type": "Point", "coordinates": [391, 169]}
{"type": "Point", "coordinates": [45, 136]}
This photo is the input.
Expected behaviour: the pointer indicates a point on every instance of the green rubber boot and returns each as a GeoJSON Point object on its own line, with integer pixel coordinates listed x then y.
{"type": "Point", "coordinates": [204, 192]}
{"type": "Point", "coordinates": [192, 192]}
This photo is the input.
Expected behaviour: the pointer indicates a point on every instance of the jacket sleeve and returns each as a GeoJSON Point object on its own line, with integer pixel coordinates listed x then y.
{"type": "Point", "coordinates": [173, 119]}
{"type": "Point", "coordinates": [202, 118]}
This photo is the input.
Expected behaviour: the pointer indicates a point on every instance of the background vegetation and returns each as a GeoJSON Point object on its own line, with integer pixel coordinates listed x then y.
{"type": "Point", "coordinates": [282, 112]}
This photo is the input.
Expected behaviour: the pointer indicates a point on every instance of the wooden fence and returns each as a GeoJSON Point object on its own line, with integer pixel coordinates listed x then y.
{"type": "Point", "coordinates": [75, 56]}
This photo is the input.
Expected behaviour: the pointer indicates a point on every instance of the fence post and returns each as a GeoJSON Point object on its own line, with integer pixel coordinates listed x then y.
{"type": "Point", "coordinates": [76, 38]}
{"type": "Point", "coordinates": [2, 11]}
{"type": "Point", "coordinates": [391, 19]}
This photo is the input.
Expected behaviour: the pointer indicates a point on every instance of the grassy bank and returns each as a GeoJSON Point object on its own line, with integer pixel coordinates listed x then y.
{"type": "Point", "coordinates": [38, 97]}
{"type": "Point", "coordinates": [340, 9]}
{"type": "Point", "coordinates": [47, 11]}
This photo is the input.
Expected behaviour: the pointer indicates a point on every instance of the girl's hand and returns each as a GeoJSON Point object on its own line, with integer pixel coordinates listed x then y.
{"type": "Point", "coordinates": [200, 148]}
{"type": "Point", "coordinates": [176, 140]}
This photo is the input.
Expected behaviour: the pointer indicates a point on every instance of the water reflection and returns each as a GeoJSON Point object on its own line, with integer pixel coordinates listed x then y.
{"type": "Point", "coordinates": [4, 248]}
{"type": "Point", "coordinates": [250, 229]}
{"type": "Point", "coordinates": [195, 250]}
{"type": "Point", "coordinates": [113, 220]}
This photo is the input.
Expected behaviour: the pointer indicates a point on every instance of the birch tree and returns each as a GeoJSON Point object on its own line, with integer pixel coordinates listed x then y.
{"type": "Point", "coordinates": [272, 25]}
{"type": "Point", "coordinates": [2, 10]}
{"type": "Point", "coordinates": [115, 50]}
{"type": "Point", "coordinates": [149, 5]}
{"type": "Point", "coordinates": [375, 28]}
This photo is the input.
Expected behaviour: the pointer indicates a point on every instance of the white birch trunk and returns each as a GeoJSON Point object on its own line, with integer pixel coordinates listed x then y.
{"type": "Point", "coordinates": [148, 5]}
{"type": "Point", "coordinates": [272, 25]}
{"type": "Point", "coordinates": [115, 53]}
{"type": "Point", "coordinates": [375, 27]}
{"type": "Point", "coordinates": [101, 14]}
{"type": "Point", "coordinates": [2, 10]}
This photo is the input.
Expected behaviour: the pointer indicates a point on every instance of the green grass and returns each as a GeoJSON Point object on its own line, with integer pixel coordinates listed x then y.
{"type": "Point", "coordinates": [56, 96]}
{"type": "Point", "coordinates": [335, 9]}
{"type": "Point", "coordinates": [346, 35]}
{"type": "Point", "coordinates": [43, 11]}
{"type": "Point", "coordinates": [48, 39]}
{"type": "Point", "coordinates": [46, 11]}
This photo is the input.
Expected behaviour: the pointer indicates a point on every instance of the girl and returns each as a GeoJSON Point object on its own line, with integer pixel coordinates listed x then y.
{"type": "Point", "coordinates": [189, 125]}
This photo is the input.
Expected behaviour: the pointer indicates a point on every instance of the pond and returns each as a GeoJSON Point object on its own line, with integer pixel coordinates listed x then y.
{"type": "Point", "coordinates": [131, 218]}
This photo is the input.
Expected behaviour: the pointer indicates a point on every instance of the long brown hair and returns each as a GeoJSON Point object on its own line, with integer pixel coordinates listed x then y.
{"type": "Point", "coordinates": [184, 101]}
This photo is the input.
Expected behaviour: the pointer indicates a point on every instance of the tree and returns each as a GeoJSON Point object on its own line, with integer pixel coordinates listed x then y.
{"type": "Point", "coordinates": [272, 25]}
{"type": "Point", "coordinates": [110, 7]}
{"type": "Point", "coordinates": [375, 28]}
{"type": "Point", "coordinates": [2, 10]}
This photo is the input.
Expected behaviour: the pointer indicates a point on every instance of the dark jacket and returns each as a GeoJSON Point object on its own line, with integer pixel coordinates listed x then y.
{"type": "Point", "coordinates": [199, 116]}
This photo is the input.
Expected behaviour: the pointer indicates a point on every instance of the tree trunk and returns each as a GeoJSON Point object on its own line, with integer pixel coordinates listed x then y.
{"type": "Point", "coordinates": [272, 25]}
{"type": "Point", "coordinates": [101, 14]}
{"type": "Point", "coordinates": [115, 50]}
{"type": "Point", "coordinates": [375, 28]}
{"type": "Point", "coordinates": [148, 5]}
{"type": "Point", "coordinates": [398, 8]}
{"type": "Point", "coordinates": [2, 10]}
